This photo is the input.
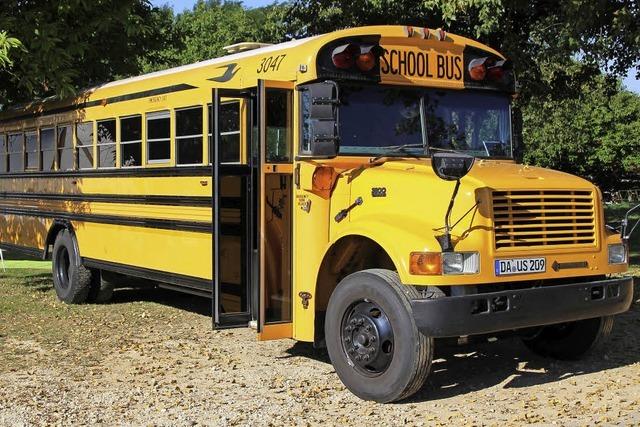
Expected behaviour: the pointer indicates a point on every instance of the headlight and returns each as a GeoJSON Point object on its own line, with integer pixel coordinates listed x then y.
{"type": "Point", "coordinates": [617, 254]}
{"type": "Point", "coordinates": [436, 263]}
{"type": "Point", "coordinates": [460, 262]}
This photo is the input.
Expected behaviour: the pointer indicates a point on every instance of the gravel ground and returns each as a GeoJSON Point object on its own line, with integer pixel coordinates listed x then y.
{"type": "Point", "coordinates": [151, 358]}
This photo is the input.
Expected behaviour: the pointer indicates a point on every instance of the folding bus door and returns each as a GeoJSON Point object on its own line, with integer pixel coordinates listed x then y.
{"type": "Point", "coordinates": [233, 224]}
{"type": "Point", "coordinates": [275, 134]}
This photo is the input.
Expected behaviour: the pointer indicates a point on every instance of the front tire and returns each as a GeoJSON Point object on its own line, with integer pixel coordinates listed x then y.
{"type": "Point", "coordinates": [372, 339]}
{"type": "Point", "coordinates": [71, 280]}
{"type": "Point", "coordinates": [570, 341]}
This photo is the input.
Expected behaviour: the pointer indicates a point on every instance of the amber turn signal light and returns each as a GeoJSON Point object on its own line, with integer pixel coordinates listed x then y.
{"type": "Point", "coordinates": [425, 263]}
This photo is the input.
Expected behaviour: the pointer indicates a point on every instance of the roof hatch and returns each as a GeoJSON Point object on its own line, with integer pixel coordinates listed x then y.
{"type": "Point", "coordinates": [244, 46]}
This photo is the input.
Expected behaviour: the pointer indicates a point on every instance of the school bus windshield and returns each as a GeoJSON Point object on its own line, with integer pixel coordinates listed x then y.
{"type": "Point", "coordinates": [377, 120]}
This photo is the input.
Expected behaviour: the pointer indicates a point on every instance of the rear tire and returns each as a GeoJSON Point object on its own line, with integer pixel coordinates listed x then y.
{"type": "Point", "coordinates": [71, 280]}
{"type": "Point", "coordinates": [570, 341]}
{"type": "Point", "coordinates": [372, 339]}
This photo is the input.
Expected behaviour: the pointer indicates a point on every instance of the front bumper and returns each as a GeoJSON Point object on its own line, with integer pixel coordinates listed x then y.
{"type": "Point", "coordinates": [508, 310]}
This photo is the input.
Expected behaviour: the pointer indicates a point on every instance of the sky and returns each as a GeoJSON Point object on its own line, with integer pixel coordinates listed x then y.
{"type": "Point", "coordinates": [179, 5]}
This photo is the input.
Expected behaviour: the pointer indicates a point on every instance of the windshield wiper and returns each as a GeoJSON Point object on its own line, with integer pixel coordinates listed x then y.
{"type": "Point", "coordinates": [395, 148]}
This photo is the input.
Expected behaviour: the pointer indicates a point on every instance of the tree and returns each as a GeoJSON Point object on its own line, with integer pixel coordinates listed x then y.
{"type": "Point", "coordinates": [202, 32]}
{"type": "Point", "coordinates": [6, 44]}
{"type": "Point", "coordinates": [595, 135]}
{"type": "Point", "coordinates": [70, 44]}
{"type": "Point", "coordinates": [542, 38]}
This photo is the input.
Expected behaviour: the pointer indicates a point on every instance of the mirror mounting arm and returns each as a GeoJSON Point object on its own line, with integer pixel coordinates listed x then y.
{"type": "Point", "coordinates": [445, 239]}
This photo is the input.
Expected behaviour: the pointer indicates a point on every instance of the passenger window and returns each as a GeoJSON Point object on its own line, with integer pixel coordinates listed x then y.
{"type": "Point", "coordinates": [48, 148]}
{"type": "Point", "coordinates": [107, 144]}
{"type": "Point", "coordinates": [84, 145]}
{"type": "Point", "coordinates": [65, 148]}
{"type": "Point", "coordinates": [31, 150]}
{"type": "Point", "coordinates": [279, 126]}
{"type": "Point", "coordinates": [3, 154]}
{"type": "Point", "coordinates": [16, 152]}
{"type": "Point", "coordinates": [229, 119]}
{"type": "Point", "coordinates": [158, 137]}
{"type": "Point", "coordinates": [189, 136]}
{"type": "Point", "coordinates": [131, 141]}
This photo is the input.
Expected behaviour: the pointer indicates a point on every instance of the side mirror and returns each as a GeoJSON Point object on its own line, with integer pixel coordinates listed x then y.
{"type": "Point", "coordinates": [319, 120]}
{"type": "Point", "coordinates": [451, 166]}
{"type": "Point", "coordinates": [516, 131]}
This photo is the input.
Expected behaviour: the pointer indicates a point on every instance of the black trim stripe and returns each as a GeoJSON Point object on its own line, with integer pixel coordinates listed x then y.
{"type": "Point", "coordinates": [190, 201]}
{"type": "Point", "coordinates": [123, 172]}
{"type": "Point", "coordinates": [105, 101]}
{"type": "Point", "coordinates": [32, 252]}
{"type": "Point", "coordinates": [164, 224]}
{"type": "Point", "coordinates": [228, 169]}
{"type": "Point", "coordinates": [155, 275]}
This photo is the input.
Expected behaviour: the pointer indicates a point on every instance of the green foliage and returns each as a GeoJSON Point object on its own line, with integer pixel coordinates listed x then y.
{"type": "Point", "coordinates": [6, 44]}
{"type": "Point", "coordinates": [71, 44]}
{"type": "Point", "coordinates": [201, 33]}
{"type": "Point", "coordinates": [542, 38]}
{"type": "Point", "coordinates": [568, 56]}
{"type": "Point", "coordinates": [575, 118]}
{"type": "Point", "coordinates": [595, 135]}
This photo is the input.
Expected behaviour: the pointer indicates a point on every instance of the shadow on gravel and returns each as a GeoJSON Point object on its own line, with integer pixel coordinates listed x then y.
{"type": "Point", "coordinates": [458, 370]}
{"type": "Point", "coordinates": [192, 303]}
{"type": "Point", "coordinates": [461, 369]}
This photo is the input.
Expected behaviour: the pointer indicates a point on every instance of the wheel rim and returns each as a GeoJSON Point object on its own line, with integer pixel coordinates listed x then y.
{"type": "Point", "coordinates": [62, 267]}
{"type": "Point", "coordinates": [367, 338]}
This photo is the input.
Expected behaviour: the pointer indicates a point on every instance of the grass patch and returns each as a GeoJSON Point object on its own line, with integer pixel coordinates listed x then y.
{"type": "Point", "coordinates": [33, 319]}
{"type": "Point", "coordinates": [34, 265]}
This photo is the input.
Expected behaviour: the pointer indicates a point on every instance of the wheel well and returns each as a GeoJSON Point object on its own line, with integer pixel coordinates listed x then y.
{"type": "Point", "coordinates": [56, 227]}
{"type": "Point", "coordinates": [346, 256]}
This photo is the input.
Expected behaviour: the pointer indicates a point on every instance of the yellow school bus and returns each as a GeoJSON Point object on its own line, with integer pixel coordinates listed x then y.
{"type": "Point", "coordinates": [357, 189]}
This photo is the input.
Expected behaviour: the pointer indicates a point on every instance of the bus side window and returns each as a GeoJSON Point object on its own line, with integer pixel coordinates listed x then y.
{"type": "Point", "coordinates": [31, 151]}
{"type": "Point", "coordinates": [107, 144]}
{"type": "Point", "coordinates": [3, 153]}
{"type": "Point", "coordinates": [131, 141]}
{"type": "Point", "coordinates": [229, 132]}
{"type": "Point", "coordinates": [48, 148]}
{"type": "Point", "coordinates": [189, 136]}
{"type": "Point", "coordinates": [84, 145]}
{"type": "Point", "coordinates": [16, 152]}
{"type": "Point", "coordinates": [159, 137]}
{"type": "Point", "coordinates": [65, 148]}
{"type": "Point", "coordinates": [279, 126]}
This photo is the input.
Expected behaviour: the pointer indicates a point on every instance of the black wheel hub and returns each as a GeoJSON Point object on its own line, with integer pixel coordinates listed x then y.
{"type": "Point", "coordinates": [367, 338]}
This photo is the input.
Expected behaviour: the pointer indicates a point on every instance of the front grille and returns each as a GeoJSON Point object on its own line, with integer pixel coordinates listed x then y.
{"type": "Point", "coordinates": [543, 218]}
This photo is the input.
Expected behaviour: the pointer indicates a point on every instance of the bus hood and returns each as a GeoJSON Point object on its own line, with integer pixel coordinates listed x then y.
{"type": "Point", "coordinates": [407, 195]}
{"type": "Point", "coordinates": [509, 175]}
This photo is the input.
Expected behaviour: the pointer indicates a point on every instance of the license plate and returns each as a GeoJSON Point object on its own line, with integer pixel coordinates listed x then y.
{"type": "Point", "coordinates": [520, 266]}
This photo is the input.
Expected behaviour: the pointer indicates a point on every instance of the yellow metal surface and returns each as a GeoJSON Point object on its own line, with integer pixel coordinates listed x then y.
{"type": "Point", "coordinates": [179, 252]}
{"type": "Point", "coordinates": [274, 332]}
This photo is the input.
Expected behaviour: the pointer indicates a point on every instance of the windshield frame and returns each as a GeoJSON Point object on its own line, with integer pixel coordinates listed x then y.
{"type": "Point", "coordinates": [398, 153]}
